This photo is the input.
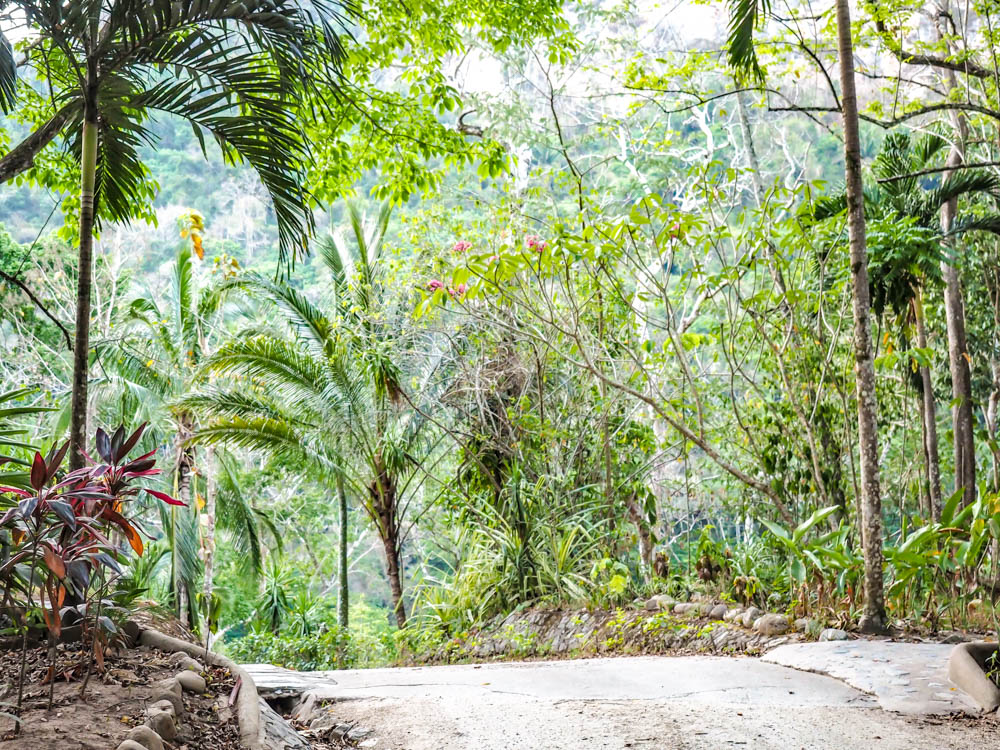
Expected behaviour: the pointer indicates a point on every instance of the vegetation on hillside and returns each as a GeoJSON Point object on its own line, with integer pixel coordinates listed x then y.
{"type": "Point", "coordinates": [426, 315]}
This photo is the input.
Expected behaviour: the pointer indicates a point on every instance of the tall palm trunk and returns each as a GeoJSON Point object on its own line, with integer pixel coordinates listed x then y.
{"type": "Point", "coordinates": [928, 414]}
{"type": "Point", "coordinates": [343, 600]}
{"type": "Point", "coordinates": [81, 344]}
{"type": "Point", "coordinates": [873, 618]}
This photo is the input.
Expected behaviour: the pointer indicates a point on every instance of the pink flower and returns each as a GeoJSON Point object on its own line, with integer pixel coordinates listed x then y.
{"type": "Point", "coordinates": [461, 247]}
{"type": "Point", "coordinates": [458, 291]}
{"type": "Point", "coordinates": [435, 284]}
{"type": "Point", "coordinates": [536, 243]}
{"type": "Point", "coordinates": [494, 259]}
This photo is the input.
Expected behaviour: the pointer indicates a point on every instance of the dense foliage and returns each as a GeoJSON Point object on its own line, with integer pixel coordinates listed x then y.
{"type": "Point", "coordinates": [577, 314]}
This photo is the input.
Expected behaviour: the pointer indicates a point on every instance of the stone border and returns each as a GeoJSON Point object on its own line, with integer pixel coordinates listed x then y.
{"type": "Point", "coordinates": [967, 669]}
{"type": "Point", "coordinates": [247, 707]}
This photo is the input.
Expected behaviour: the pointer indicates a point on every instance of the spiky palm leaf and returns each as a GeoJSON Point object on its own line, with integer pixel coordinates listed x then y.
{"type": "Point", "coordinates": [238, 70]}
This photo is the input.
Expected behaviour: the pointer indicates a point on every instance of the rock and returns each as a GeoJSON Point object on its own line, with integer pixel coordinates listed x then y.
{"type": "Point", "coordinates": [658, 602]}
{"type": "Point", "coordinates": [801, 625]}
{"type": "Point", "coordinates": [750, 616]}
{"type": "Point", "coordinates": [682, 608]}
{"type": "Point", "coordinates": [358, 733]}
{"type": "Point", "coordinates": [146, 737]}
{"type": "Point", "coordinates": [833, 634]}
{"type": "Point", "coordinates": [191, 681]}
{"type": "Point", "coordinates": [705, 608]}
{"type": "Point", "coordinates": [956, 638]}
{"type": "Point", "coordinates": [718, 612]}
{"type": "Point", "coordinates": [130, 745]}
{"type": "Point", "coordinates": [190, 664]}
{"type": "Point", "coordinates": [771, 624]}
{"type": "Point", "coordinates": [733, 614]}
{"type": "Point", "coordinates": [160, 718]}
{"type": "Point", "coordinates": [165, 695]}
{"type": "Point", "coordinates": [170, 684]}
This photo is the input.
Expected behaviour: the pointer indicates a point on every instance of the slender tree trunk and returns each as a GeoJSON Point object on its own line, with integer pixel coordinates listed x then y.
{"type": "Point", "coordinates": [343, 600]}
{"type": "Point", "coordinates": [208, 544]}
{"type": "Point", "coordinates": [962, 421]}
{"type": "Point", "coordinates": [383, 498]}
{"type": "Point", "coordinates": [394, 572]}
{"type": "Point", "coordinates": [645, 537]}
{"type": "Point", "coordinates": [81, 344]}
{"type": "Point", "coordinates": [928, 420]}
{"type": "Point", "coordinates": [873, 618]}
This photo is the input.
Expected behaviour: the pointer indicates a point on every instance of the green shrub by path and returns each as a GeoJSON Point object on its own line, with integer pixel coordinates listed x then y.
{"type": "Point", "coordinates": [331, 648]}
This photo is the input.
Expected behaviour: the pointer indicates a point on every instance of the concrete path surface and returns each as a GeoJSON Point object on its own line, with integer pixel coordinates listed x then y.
{"type": "Point", "coordinates": [910, 678]}
{"type": "Point", "coordinates": [673, 703]}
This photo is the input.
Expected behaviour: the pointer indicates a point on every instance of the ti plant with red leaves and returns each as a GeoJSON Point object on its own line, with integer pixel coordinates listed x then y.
{"type": "Point", "coordinates": [61, 558]}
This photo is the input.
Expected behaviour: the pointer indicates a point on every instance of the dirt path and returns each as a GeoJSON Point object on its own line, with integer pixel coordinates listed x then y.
{"type": "Point", "coordinates": [673, 703]}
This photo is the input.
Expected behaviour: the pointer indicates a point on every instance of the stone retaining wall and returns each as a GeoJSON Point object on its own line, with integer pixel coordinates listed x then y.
{"type": "Point", "coordinates": [663, 626]}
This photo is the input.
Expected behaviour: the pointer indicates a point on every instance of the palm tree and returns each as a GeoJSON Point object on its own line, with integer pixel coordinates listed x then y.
{"type": "Point", "coordinates": [745, 16]}
{"type": "Point", "coordinates": [909, 256]}
{"type": "Point", "coordinates": [329, 391]}
{"type": "Point", "coordinates": [146, 370]}
{"type": "Point", "coordinates": [234, 69]}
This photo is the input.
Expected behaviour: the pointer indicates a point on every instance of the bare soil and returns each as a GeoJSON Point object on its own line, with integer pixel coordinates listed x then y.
{"type": "Point", "coordinates": [113, 703]}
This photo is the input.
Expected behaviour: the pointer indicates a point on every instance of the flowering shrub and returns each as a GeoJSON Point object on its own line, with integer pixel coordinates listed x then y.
{"type": "Point", "coordinates": [536, 243]}
{"type": "Point", "coordinates": [461, 247]}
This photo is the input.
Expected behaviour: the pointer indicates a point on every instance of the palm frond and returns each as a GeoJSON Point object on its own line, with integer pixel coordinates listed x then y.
{"type": "Point", "coordinates": [8, 76]}
{"type": "Point", "coordinates": [284, 369]}
{"type": "Point", "coordinates": [962, 182]}
{"type": "Point", "coordinates": [301, 314]}
{"type": "Point", "coordinates": [990, 223]}
{"type": "Point", "coordinates": [744, 18]}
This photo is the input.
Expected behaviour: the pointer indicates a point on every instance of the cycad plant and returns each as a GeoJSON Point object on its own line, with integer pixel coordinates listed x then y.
{"type": "Point", "coordinates": [146, 369]}
{"type": "Point", "coordinates": [327, 389]}
{"type": "Point", "coordinates": [234, 69]}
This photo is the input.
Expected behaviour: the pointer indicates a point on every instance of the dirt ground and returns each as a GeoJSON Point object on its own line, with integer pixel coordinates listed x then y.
{"type": "Point", "coordinates": [114, 702]}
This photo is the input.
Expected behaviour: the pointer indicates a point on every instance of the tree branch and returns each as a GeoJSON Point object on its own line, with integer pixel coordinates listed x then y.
{"type": "Point", "coordinates": [38, 303]}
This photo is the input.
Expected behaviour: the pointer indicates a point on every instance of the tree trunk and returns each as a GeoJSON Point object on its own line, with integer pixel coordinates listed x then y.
{"type": "Point", "coordinates": [958, 360]}
{"type": "Point", "coordinates": [873, 618]}
{"type": "Point", "coordinates": [81, 344]}
{"type": "Point", "coordinates": [963, 426]}
{"type": "Point", "coordinates": [208, 545]}
{"type": "Point", "coordinates": [343, 599]}
{"type": "Point", "coordinates": [928, 415]}
{"type": "Point", "coordinates": [383, 500]}
{"type": "Point", "coordinates": [645, 537]}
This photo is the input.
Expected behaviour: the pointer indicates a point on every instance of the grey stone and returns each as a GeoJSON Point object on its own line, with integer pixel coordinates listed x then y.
{"type": "Point", "coordinates": [733, 614]}
{"type": "Point", "coordinates": [161, 695]}
{"type": "Point", "coordinates": [170, 684]}
{"type": "Point", "coordinates": [718, 612]}
{"type": "Point", "coordinates": [188, 663]}
{"type": "Point", "coordinates": [965, 669]}
{"type": "Point", "coordinates": [160, 718]}
{"type": "Point", "coordinates": [130, 745]}
{"type": "Point", "coordinates": [833, 634]}
{"type": "Point", "coordinates": [801, 625]}
{"type": "Point", "coordinates": [682, 608]}
{"type": "Point", "coordinates": [771, 624]}
{"type": "Point", "coordinates": [658, 602]}
{"type": "Point", "coordinates": [146, 737]}
{"type": "Point", "coordinates": [750, 616]}
{"type": "Point", "coordinates": [191, 681]}
{"type": "Point", "coordinates": [705, 608]}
